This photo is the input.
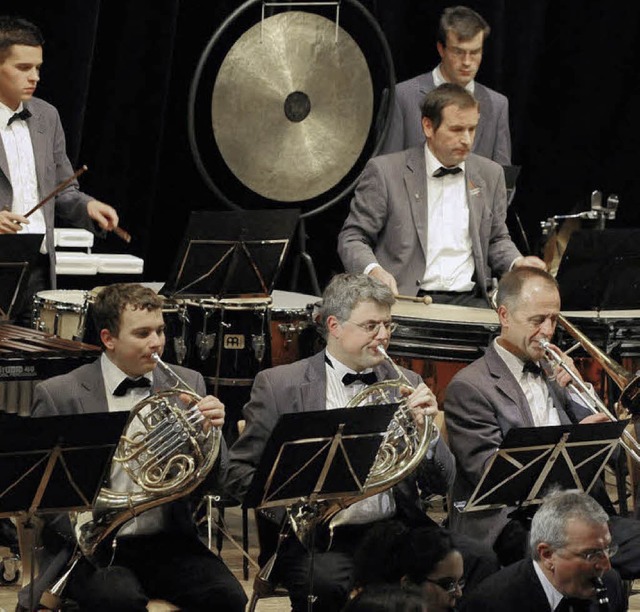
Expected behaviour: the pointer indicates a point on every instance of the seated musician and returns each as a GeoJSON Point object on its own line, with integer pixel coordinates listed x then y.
{"type": "Point", "coordinates": [158, 554]}
{"type": "Point", "coordinates": [431, 219]}
{"type": "Point", "coordinates": [507, 388]}
{"type": "Point", "coordinates": [570, 547]}
{"type": "Point", "coordinates": [32, 143]}
{"type": "Point", "coordinates": [356, 319]}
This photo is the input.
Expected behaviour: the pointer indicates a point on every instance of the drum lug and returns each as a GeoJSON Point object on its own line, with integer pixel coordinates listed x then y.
{"type": "Point", "coordinates": [259, 346]}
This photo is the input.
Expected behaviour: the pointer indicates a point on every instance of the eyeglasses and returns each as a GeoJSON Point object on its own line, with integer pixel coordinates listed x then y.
{"type": "Point", "coordinates": [450, 585]}
{"type": "Point", "coordinates": [593, 556]}
{"type": "Point", "coordinates": [464, 53]}
{"type": "Point", "coordinates": [373, 327]}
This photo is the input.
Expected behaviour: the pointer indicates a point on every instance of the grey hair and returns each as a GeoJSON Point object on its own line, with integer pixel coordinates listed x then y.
{"type": "Point", "coordinates": [549, 523]}
{"type": "Point", "coordinates": [511, 285]}
{"type": "Point", "coordinates": [345, 291]}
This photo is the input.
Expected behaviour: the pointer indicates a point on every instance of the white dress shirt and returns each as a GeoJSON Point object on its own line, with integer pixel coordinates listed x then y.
{"type": "Point", "coordinates": [438, 80]}
{"type": "Point", "coordinates": [22, 170]}
{"type": "Point", "coordinates": [554, 597]}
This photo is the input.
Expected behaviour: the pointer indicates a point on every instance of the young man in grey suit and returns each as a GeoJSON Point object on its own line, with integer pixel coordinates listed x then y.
{"type": "Point", "coordinates": [505, 389]}
{"type": "Point", "coordinates": [158, 553]}
{"type": "Point", "coordinates": [33, 159]}
{"type": "Point", "coordinates": [356, 319]}
{"type": "Point", "coordinates": [461, 36]}
{"type": "Point", "coordinates": [431, 219]}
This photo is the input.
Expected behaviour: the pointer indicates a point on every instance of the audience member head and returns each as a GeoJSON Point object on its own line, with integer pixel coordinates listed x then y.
{"type": "Point", "coordinates": [461, 36]}
{"type": "Point", "coordinates": [528, 304]}
{"type": "Point", "coordinates": [449, 120]}
{"type": "Point", "coordinates": [356, 317]}
{"type": "Point", "coordinates": [387, 598]}
{"type": "Point", "coordinates": [571, 543]}
{"type": "Point", "coordinates": [20, 60]}
{"type": "Point", "coordinates": [129, 320]}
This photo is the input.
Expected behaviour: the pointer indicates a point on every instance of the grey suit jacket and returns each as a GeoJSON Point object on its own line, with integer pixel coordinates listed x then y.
{"type": "Point", "coordinates": [492, 139]}
{"type": "Point", "coordinates": [298, 387]}
{"type": "Point", "coordinates": [387, 222]}
{"type": "Point", "coordinates": [483, 402]}
{"type": "Point", "coordinates": [52, 167]}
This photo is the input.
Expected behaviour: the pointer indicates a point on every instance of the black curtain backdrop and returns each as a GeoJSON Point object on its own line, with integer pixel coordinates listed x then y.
{"type": "Point", "coordinates": [119, 73]}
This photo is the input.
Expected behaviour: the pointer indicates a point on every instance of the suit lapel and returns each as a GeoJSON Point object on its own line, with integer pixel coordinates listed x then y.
{"type": "Point", "coordinates": [91, 390]}
{"type": "Point", "coordinates": [508, 386]}
{"type": "Point", "coordinates": [313, 390]}
{"type": "Point", "coordinates": [480, 94]}
{"type": "Point", "coordinates": [476, 199]}
{"type": "Point", "coordinates": [415, 180]}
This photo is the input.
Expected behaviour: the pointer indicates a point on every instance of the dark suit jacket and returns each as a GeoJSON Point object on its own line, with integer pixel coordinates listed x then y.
{"type": "Point", "coordinates": [516, 588]}
{"type": "Point", "coordinates": [387, 222]}
{"type": "Point", "coordinates": [301, 387]}
{"type": "Point", "coordinates": [82, 391]}
{"type": "Point", "coordinates": [52, 167]}
{"type": "Point", "coordinates": [492, 139]}
{"type": "Point", "coordinates": [484, 401]}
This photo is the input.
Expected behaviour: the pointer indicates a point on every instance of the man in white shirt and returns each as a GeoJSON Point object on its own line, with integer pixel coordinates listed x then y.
{"type": "Point", "coordinates": [570, 547]}
{"type": "Point", "coordinates": [158, 553]}
{"type": "Point", "coordinates": [431, 219]}
{"type": "Point", "coordinates": [33, 159]}
{"type": "Point", "coordinates": [461, 36]}
{"type": "Point", "coordinates": [356, 319]}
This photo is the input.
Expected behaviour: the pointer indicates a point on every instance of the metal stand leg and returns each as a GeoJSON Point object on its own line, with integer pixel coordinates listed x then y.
{"type": "Point", "coordinates": [304, 256]}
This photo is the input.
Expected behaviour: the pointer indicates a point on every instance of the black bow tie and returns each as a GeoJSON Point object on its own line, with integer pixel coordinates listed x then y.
{"type": "Point", "coordinates": [571, 604]}
{"type": "Point", "coordinates": [442, 171]}
{"type": "Point", "coordinates": [23, 114]}
{"type": "Point", "coordinates": [368, 379]}
{"type": "Point", "coordinates": [130, 383]}
{"type": "Point", "coordinates": [532, 368]}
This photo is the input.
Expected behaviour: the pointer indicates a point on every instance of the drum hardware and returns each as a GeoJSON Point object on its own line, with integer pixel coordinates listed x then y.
{"type": "Point", "coordinates": [204, 341]}
{"type": "Point", "coordinates": [259, 346]}
{"type": "Point", "coordinates": [180, 342]}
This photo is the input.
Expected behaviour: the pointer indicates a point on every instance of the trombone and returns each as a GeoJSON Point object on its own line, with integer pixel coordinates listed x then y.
{"type": "Point", "coordinates": [628, 383]}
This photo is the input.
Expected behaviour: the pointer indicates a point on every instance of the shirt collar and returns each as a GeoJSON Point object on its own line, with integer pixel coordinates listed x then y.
{"type": "Point", "coordinates": [515, 364]}
{"type": "Point", "coordinates": [433, 163]}
{"type": "Point", "coordinates": [113, 375]}
{"type": "Point", "coordinates": [438, 79]}
{"type": "Point", "coordinates": [554, 597]}
{"type": "Point", "coordinates": [340, 369]}
{"type": "Point", "coordinates": [6, 113]}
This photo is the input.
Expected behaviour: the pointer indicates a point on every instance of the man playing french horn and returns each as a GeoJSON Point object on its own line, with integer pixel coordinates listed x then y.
{"type": "Point", "coordinates": [515, 385]}
{"type": "Point", "coordinates": [158, 553]}
{"type": "Point", "coordinates": [356, 320]}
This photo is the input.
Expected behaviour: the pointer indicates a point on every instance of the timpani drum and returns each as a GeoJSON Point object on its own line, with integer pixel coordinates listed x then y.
{"type": "Point", "coordinates": [61, 312]}
{"type": "Point", "coordinates": [291, 326]}
{"type": "Point", "coordinates": [438, 340]}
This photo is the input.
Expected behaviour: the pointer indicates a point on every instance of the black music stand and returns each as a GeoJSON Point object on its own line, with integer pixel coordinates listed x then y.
{"type": "Point", "coordinates": [599, 270]}
{"type": "Point", "coordinates": [51, 465]}
{"type": "Point", "coordinates": [230, 254]}
{"type": "Point", "coordinates": [313, 457]}
{"type": "Point", "coordinates": [18, 253]}
{"type": "Point", "coordinates": [531, 459]}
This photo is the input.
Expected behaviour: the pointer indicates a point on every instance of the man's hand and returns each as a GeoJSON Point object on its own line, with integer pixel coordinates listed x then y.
{"type": "Point", "coordinates": [530, 261]}
{"type": "Point", "coordinates": [562, 377]}
{"type": "Point", "coordinates": [382, 275]}
{"type": "Point", "coordinates": [11, 223]}
{"type": "Point", "coordinates": [421, 401]}
{"type": "Point", "coordinates": [213, 411]}
{"type": "Point", "coordinates": [595, 418]}
{"type": "Point", "coordinates": [103, 214]}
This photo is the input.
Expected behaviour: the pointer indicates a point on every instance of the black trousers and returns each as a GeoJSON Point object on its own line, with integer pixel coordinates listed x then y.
{"type": "Point", "coordinates": [175, 567]}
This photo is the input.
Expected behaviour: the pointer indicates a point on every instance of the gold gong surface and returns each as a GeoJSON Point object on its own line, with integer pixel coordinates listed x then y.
{"type": "Point", "coordinates": [291, 107]}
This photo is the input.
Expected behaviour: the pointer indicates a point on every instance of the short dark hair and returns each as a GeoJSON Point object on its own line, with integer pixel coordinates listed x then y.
{"type": "Point", "coordinates": [113, 299]}
{"type": "Point", "coordinates": [447, 94]}
{"type": "Point", "coordinates": [464, 22]}
{"type": "Point", "coordinates": [511, 284]}
{"type": "Point", "coordinates": [387, 598]}
{"type": "Point", "coordinates": [17, 31]}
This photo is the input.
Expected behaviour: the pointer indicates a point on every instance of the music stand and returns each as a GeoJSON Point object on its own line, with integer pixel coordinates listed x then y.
{"type": "Point", "coordinates": [18, 253]}
{"type": "Point", "coordinates": [530, 459]}
{"type": "Point", "coordinates": [313, 457]}
{"type": "Point", "coordinates": [51, 465]}
{"type": "Point", "coordinates": [599, 270]}
{"type": "Point", "coordinates": [231, 254]}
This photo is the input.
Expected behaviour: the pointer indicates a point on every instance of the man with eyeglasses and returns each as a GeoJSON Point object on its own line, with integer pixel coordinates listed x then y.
{"type": "Point", "coordinates": [356, 319]}
{"type": "Point", "coordinates": [570, 547]}
{"type": "Point", "coordinates": [461, 36]}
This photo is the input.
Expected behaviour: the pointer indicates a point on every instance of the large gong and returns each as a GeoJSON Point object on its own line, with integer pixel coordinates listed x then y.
{"type": "Point", "coordinates": [287, 105]}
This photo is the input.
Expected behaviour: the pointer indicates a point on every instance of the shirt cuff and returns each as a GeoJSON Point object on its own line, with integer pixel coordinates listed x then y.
{"type": "Point", "coordinates": [370, 267]}
{"type": "Point", "coordinates": [431, 451]}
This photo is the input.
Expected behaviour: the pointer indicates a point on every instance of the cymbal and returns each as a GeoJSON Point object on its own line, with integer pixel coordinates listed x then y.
{"type": "Point", "coordinates": [291, 107]}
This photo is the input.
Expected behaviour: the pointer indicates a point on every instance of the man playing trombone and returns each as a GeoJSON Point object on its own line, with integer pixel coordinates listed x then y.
{"type": "Point", "coordinates": [515, 385]}
{"type": "Point", "coordinates": [158, 553]}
